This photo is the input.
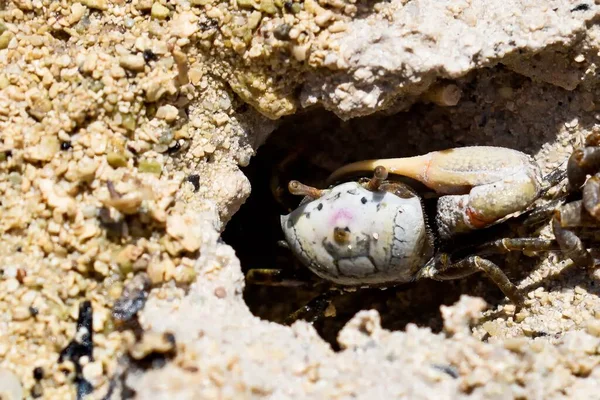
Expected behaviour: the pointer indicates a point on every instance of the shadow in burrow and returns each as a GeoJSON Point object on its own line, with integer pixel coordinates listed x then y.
{"type": "Point", "coordinates": [498, 107]}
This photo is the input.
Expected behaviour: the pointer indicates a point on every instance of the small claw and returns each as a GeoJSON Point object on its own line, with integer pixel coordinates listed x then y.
{"type": "Point", "coordinates": [300, 189]}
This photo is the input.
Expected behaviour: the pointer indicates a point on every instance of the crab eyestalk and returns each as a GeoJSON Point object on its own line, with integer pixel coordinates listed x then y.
{"type": "Point", "coordinates": [299, 189]}
{"type": "Point", "coordinates": [379, 175]}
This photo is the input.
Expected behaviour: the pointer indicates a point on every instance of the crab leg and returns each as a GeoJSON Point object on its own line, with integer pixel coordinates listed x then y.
{"type": "Point", "coordinates": [274, 277]}
{"type": "Point", "coordinates": [570, 243]}
{"type": "Point", "coordinates": [315, 309]}
{"type": "Point", "coordinates": [591, 196]}
{"type": "Point", "coordinates": [541, 215]}
{"type": "Point", "coordinates": [441, 269]}
{"type": "Point", "coordinates": [573, 215]}
{"type": "Point", "coordinates": [517, 244]}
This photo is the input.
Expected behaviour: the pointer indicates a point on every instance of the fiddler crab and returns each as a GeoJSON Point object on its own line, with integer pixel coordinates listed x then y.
{"type": "Point", "coordinates": [375, 232]}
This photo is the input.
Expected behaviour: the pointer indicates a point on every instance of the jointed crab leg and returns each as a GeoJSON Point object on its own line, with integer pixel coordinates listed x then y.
{"type": "Point", "coordinates": [591, 196]}
{"type": "Point", "coordinates": [441, 268]}
{"type": "Point", "coordinates": [274, 277]}
{"type": "Point", "coordinates": [517, 244]}
{"type": "Point", "coordinates": [542, 214]}
{"type": "Point", "coordinates": [571, 244]}
{"type": "Point", "coordinates": [586, 212]}
{"type": "Point", "coordinates": [310, 312]}
{"type": "Point", "coordinates": [315, 309]}
{"type": "Point", "coordinates": [569, 216]}
{"type": "Point", "coordinates": [554, 178]}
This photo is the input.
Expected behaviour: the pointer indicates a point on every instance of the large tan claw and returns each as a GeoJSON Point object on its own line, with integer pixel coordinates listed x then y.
{"type": "Point", "coordinates": [493, 181]}
{"type": "Point", "coordinates": [453, 171]}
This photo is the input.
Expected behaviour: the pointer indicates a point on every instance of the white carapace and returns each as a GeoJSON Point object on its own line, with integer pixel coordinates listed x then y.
{"type": "Point", "coordinates": [353, 236]}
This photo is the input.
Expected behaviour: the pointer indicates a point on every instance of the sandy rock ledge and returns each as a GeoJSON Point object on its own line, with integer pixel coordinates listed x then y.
{"type": "Point", "coordinates": [123, 127]}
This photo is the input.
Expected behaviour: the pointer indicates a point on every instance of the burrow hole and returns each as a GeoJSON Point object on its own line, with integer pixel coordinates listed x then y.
{"type": "Point", "coordinates": [310, 145]}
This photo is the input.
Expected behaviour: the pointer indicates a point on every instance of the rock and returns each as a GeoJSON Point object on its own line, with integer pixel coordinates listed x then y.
{"type": "Point", "coordinates": [184, 24]}
{"type": "Point", "coordinates": [97, 4]}
{"type": "Point", "coordinates": [375, 60]}
{"type": "Point", "coordinates": [184, 229]}
{"type": "Point", "coordinates": [97, 190]}
{"type": "Point", "coordinates": [159, 11]}
{"type": "Point", "coordinates": [56, 198]}
{"type": "Point", "coordinates": [132, 62]}
{"type": "Point", "coordinates": [10, 386]}
{"type": "Point", "coordinates": [167, 112]}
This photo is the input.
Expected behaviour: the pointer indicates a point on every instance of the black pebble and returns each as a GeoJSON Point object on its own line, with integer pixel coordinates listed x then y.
{"type": "Point", "coordinates": [65, 145]}
{"type": "Point", "coordinates": [581, 7]}
{"type": "Point", "coordinates": [38, 373]}
{"type": "Point", "coordinates": [174, 149]}
{"type": "Point", "coordinates": [194, 179]}
{"type": "Point", "coordinates": [149, 55]}
{"type": "Point", "coordinates": [282, 32]}
{"type": "Point", "coordinates": [81, 345]}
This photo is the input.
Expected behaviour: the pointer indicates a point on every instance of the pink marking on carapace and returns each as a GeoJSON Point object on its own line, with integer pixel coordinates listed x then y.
{"type": "Point", "coordinates": [341, 214]}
